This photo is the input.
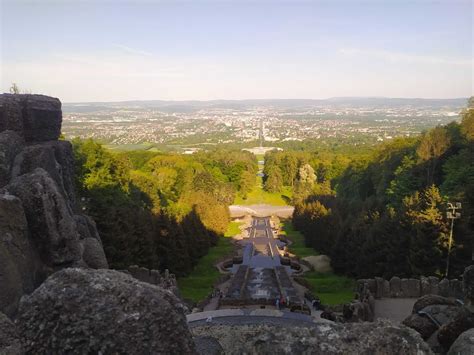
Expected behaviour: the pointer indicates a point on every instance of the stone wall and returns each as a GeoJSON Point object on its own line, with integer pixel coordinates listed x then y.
{"type": "Point", "coordinates": [410, 288]}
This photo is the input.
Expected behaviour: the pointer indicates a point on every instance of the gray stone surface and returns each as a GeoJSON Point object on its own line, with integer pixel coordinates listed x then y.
{"type": "Point", "coordinates": [81, 311]}
{"type": "Point", "coordinates": [434, 284]}
{"type": "Point", "coordinates": [36, 118]}
{"type": "Point", "coordinates": [379, 287]}
{"type": "Point", "coordinates": [206, 345]}
{"type": "Point", "coordinates": [449, 332]}
{"type": "Point", "coordinates": [93, 254]}
{"type": "Point", "coordinates": [10, 343]}
{"type": "Point", "coordinates": [429, 300]}
{"type": "Point", "coordinates": [93, 251]}
{"type": "Point", "coordinates": [386, 289]}
{"type": "Point", "coordinates": [468, 287]}
{"type": "Point", "coordinates": [50, 219]}
{"type": "Point", "coordinates": [56, 158]}
{"type": "Point", "coordinates": [464, 344]}
{"type": "Point", "coordinates": [381, 337]}
{"type": "Point", "coordinates": [410, 288]}
{"type": "Point", "coordinates": [422, 324]}
{"type": "Point", "coordinates": [395, 286]}
{"type": "Point", "coordinates": [442, 313]}
{"type": "Point", "coordinates": [425, 286]}
{"type": "Point", "coordinates": [443, 288]}
{"type": "Point", "coordinates": [10, 145]}
{"type": "Point", "coordinates": [20, 267]}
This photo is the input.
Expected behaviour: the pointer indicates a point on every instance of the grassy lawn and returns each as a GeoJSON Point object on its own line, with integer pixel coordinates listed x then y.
{"type": "Point", "coordinates": [297, 247]}
{"type": "Point", "coordinates": [200, 282]}
{"type": "Point", "coordinates": [233, 229]}
{"type": "Point", "coordinates": [331, 289]}
{"type": "Point", "coordinates": [259, 196]}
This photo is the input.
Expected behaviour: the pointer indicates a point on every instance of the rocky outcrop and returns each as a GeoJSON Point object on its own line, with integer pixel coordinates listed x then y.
{"type": "Point", "coordinates": [85, 311]}
{"type": "Point", "coordinates": [56, 158]}
{"type": "Point", "coordinates": [40, 228]}
{"type": "Point", "coordinates": [430, 300]}
{"type": "Point", "coordinates": [10, 343]}
{"type": "Point", "coordinates": [50, 220]}
{"type": "Point", "coordinates": [464, 344]}
{"type": "Point", "coordinates": [20, 266]}
{"type": "Point", "coordinates": [442, 320]}
{"type": "Point", "coordinates": [381, 337]}
{"type": "Point", "coordinates": [36, 118]}
{"type": "Point", "coordinates": [11, 144]}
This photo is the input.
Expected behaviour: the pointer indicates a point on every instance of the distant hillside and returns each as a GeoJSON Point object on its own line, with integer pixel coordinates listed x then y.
{"type": "Point", "coordinates": [189, 106]}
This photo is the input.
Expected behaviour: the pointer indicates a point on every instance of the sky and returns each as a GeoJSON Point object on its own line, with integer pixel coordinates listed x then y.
{"type": "Point", "coordinates": [175, 50]}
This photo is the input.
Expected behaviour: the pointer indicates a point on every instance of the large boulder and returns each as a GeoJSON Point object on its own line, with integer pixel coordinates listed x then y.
{"type": "Point", "coordinates": [10, 145]}
{"type": "Point", "coordinates": [51, 224]}
{"type": "Point", "coordinates": [36, 118]}
{"type": "Point", "coordinates": [20, 267]}
{"type": "Point", "coordinates": [448, 333]}
{"type": "Point", "coordinates": [93, 254]}
{"type": "Point", "coordinates": [429, 300]}
{"type": "Point", "coordinates": [442, 313]}
{"type": "Point", "coordinates": [85, 311]}
{"type": "Point", "coordinates": [464, 344]}
{"type": "Point", "coordinates": [56, 158]}
{"type": "Point", "coordinates": [468, 287]}
{"type": "Point", "coordinates": [422, 324]}
{"type": "Point", "coordinates": [10, 343]}
{"type": "Point", "coordinates": [381, 337]}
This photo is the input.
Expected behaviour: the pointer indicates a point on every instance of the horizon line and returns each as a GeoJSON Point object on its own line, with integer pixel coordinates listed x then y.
{"type": "Point", "coordinates": [271, 99]}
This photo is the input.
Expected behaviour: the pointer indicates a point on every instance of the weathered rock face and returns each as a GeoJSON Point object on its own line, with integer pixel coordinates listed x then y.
{"type": "Point", "coordinates": [11, 145]}
{"type": "Point", "coordinates": [464, 344]}
{"type": "Point", "coordinates": [36, 118]}
{"type": "Point", "coordinates": [381, 337]}
{"type": "Point", "coordinates": [468, 287]}
{"type": "Point", "coordinates": [448, 333]}
{"type": "Point", "coordinates": [9, 338]}
{"type": "Point", "coordinates": [39, 230]}
{"type": "Point", "coordinates": [93, 254]}
{"type": "Point", "coordinates": [81, 311]}
{"type": "Point", "coordinates": [20, 266]}
{"type": "Point", "coordinates": [429, 300]}
{"type": "Point", "coordinates": [54, 157]}
{"type": "Point", "coordinates": [50, 220]}
{"type": "Point", "coordinates": [421, 324]}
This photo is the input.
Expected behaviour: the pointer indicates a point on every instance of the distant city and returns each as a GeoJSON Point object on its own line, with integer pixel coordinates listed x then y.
{"type": "Point", "coordinates": [196, 124]}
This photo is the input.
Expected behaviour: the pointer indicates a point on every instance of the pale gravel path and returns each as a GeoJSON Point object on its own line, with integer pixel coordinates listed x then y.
{"type": "Point", "coordinates": [395, 309]}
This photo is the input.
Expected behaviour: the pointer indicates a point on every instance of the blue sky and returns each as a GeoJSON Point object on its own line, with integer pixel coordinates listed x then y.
{"type": "Point", "coordinates": [120, 50]}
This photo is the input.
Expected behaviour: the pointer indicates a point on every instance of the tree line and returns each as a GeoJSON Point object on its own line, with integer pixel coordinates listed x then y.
{"type": "Point", "coordinates": [157, 210]}
{"type": "Point", "coordinates": [383, 212]}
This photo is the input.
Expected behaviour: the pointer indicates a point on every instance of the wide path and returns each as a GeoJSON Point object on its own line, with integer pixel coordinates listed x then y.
{"type": "Point", "coordinates": [261, 275]}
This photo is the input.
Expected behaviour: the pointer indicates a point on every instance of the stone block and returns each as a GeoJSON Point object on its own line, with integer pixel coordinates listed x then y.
{"type": "Point", "coordinates": [443, 288]}
{"type": "Point", "coordinates": [395, 286]}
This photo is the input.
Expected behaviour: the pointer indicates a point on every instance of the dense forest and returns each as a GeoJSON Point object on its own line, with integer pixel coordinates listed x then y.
{"type": "Point", "coordinates": [382, 211]}
{"type": "Point", "coordinates": [161, 211]}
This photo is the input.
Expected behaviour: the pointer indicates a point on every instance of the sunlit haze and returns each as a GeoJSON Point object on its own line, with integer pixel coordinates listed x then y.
{"type": "Point", "coordinates": [124, 50]}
